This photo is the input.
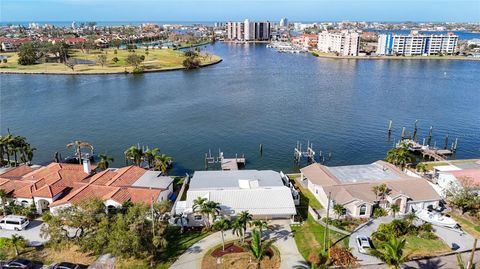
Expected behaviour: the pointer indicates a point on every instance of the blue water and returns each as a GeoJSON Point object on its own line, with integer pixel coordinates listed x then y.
{"type": "Point", "coordinates": [255, 96]}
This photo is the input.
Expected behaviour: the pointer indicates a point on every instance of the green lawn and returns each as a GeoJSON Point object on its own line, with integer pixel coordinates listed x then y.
{"type": "Point", "coordinates": [155, 60]}
{"type": "Point", "coordinates": [309, 237]}
{"type": "Point", "coordinates": [421, 247]}
{"type": "Point", "coordinates": [306, 197]}
{"type": "Point", "coordinates": [468, 225]}
{"type": "Point", "coordinates": [178, 243]}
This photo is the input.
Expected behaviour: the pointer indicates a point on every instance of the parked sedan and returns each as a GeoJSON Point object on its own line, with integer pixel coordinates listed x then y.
{"type": "Point", "coordinates": [364, 244]}
{"type": "Point", "coordinates": [64, 265]}
{"type": "Point", "coordinates": [18, 264]}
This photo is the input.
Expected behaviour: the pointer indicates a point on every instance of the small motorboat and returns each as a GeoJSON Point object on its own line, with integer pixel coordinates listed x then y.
{"type": "Point", "coordinates": [436, 218]}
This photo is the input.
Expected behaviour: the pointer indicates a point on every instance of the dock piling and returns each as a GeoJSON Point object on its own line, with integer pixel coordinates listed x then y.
{"type": "Point", "coordinates": [430, 135]}
{"type": "Point", "coordinates": [446, 141]}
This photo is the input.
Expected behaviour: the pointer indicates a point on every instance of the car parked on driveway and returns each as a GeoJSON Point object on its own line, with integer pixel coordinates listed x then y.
{"type": "Point", "coordinates": [13, 222]}
{"type": "Point", "coordinates": [364, 244]}
{"type": "Point", "coordinates": [18, 264]}
{"type": "Point", "coordinates": [65, 265]}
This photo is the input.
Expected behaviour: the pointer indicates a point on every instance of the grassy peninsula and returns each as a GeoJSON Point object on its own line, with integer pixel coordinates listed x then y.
{"type": "Point", "coordinates": [107, 61]}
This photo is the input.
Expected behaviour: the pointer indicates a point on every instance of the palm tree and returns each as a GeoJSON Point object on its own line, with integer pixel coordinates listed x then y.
{"type": "Point", "coordinates": [383, 190]}
{"type": "Point", "coordinates": [162, 163]}
{"type": "Point", "coordinates": [237, 229]}
{"type": "Point", "coordinates": [3, 196]}
{"type": "Point", "coordinates": [136, 154]}
{"type": "Point", "coordinates": [339, 210]}
{"type": "Point", "coordinates": [6, 142]}
{"type": "Point", "coordinates": [104, 162]}
{"type": "Point", "coordinates": [78, 145]}
{"type": "Point", "coordinates": [260, 225]}
{"type": "Point", "coordinates": [257, 248]}
{"type": "Point", "coordinates": [210, 209]}
{"type": "Point", "coordinates": [395, 208]}
{"type": "Point", "coordinates": [221, 225]}
{"type": "Point", "coordinates": [17, 241]}
{"type": "Point", "coordinates": [421, 167]}
{"type": "Point", "coordinates": [243, 218]}
{"type": "Point", "coordinates": [150, 155]}
{"type": "Point", "coordinates": [391, 252]}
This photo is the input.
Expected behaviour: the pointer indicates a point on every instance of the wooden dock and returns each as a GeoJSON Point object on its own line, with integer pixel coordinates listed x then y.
{"type": "Point", "coordinates": [232, 164]}
{"type": "Point", "coordinates": [426, 151]}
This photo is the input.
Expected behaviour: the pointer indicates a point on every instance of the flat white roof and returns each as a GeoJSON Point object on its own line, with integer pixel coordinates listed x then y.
{"type": "Point", "coordinates": [362, 173]}
{"type": "Point", "coordinates": [446, 168]}
{"type": "Point", "coordinates": [153, 179]}
{"type": "Point", "coordinates": [230, 179]}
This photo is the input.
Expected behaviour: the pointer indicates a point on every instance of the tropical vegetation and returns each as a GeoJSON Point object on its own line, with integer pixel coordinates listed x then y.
{"type": "Point", "coordinates": [150, 157]}
{"type": "Point", "coordinates": [400, 156]}
{"type": "Point", "coordinates": [15, 150]}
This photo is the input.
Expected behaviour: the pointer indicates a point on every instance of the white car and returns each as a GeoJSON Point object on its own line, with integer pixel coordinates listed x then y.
{"type": "Point", "coordinates": [364, 244]}
{"type": "Point", "coordinates": [13, 222]}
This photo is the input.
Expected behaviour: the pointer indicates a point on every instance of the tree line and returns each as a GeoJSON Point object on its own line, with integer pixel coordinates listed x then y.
{"type": "Point", "coordinates": [15, 150]}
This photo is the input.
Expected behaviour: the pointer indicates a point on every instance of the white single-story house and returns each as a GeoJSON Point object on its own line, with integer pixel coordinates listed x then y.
{"type": "Point", "coordinates": [352, 187]}
{"type": "Point", "coordinates": [262, 193]}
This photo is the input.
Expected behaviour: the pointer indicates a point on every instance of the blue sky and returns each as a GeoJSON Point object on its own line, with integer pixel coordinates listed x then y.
{"type": "Point", "coordinates": [221, 10]}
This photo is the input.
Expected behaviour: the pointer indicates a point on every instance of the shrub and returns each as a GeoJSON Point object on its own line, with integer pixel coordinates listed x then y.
{"type": "Point", "coordinates": [379, 212]}
{"type": "Point", "coordinates": [4, 60]}
{"type": "Point", "coordinates": [428, 235]}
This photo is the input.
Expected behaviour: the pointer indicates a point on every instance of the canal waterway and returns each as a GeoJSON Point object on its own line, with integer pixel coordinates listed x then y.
{"type": "Point", "coordinates": [255, 96]}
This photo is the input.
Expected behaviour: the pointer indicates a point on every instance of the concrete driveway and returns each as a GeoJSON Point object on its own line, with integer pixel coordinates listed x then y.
{"type": "Point", "coordinates": [290, 257]}
{"type": "Point", "coordinates": [455, 240]}
{"type": "Point", "coordinates": [32, 233]}
{"type": "Point", "coordinates": [366, 230]}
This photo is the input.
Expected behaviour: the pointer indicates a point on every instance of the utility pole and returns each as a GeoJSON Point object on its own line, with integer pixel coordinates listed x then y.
{"type": "Point", "coordinates": [325, 234]}
{"type": "Point", "coordinates": [470, 260]}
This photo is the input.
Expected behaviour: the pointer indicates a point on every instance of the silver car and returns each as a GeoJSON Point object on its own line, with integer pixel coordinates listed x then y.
{"type": "Point", "coordinates": [364, 244]}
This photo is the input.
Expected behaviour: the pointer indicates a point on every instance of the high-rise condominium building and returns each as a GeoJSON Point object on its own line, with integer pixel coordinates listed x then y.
{"type": "Point", "coordinates": [248, 31]}
{"type": "Point", "coordinates": [344, 43]}
{"type": "Point", "coordinates": [283, 22]}
{"type": "Point", "coordinates": [416, 44]}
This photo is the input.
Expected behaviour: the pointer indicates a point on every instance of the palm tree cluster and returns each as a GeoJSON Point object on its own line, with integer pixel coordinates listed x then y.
{"type": "Point", "coordinates": [77, 145]}
{"type": "Point", "coordinates": [400, 156]}
{"type": "Point", "coordinates": [151, 157]}
{"type": "Point", "coordinates": [208, 210]}
{"type": "Point", "coordinates": [15, 147]}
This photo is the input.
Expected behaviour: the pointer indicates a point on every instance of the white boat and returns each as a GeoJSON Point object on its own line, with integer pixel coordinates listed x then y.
{"type": "Point", "coordinates": [436, 219]}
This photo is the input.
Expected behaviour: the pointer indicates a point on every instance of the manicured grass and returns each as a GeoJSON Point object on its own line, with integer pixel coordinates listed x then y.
{"type": "Point", "coordinates": [156, 60]}
{"type": "Point", "coordinates": [307, 198]}
{"type": "Point", "coordinates": [178, 243]}
{"type": "Point", "coordinates": [309, 237]}
{"type": "Point", "coordinates": [420, 247]}
{"type": "Point", "coordinates": [468, 225]}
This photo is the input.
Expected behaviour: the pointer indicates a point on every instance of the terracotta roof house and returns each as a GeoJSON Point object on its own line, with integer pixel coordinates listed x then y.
{"type": "Point", "coordinates": [58, 185]}
{"type": "Point", "coordinates": [351, 186]}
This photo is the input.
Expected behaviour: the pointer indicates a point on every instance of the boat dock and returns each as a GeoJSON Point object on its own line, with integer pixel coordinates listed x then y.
{"type": "Point", "coordinates": [226, 164]}
{"type": "Point", "coordinates": [427, 151]}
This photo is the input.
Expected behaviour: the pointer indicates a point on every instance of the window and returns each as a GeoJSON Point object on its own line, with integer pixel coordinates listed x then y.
{"type": "Point", "coordinates": [363, 210]}
{"type": "Point", "coordinates": [197, 217]}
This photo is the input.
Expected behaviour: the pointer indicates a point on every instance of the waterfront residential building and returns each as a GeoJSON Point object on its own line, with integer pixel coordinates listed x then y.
{"type": "Point", "coordinates": [58, 185]}
{"type": "Point", "coordinates": [417, 44]}
{"type": "Point", "coordinates": [352, 187]}
{"type": "Point", "coordinates": [248, 31]}
{"type": "Point", "coordinates": [343, 43]}
{"type": "Point", "coordinates": [264, 194]}
{"type": "Point", "coordinates": [454, 176]}
{"type": "Point", "coordinates": [283, 22]}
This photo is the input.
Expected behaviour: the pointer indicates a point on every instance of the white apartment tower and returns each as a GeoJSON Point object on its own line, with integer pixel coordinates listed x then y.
{"type": "Point", "coordinates": [416, 44]}
{"type": "Point", "coordinates": [248, 31]}
{"type": "Point", "coordinates": [283, 22]}
{"type": "Point", "coordinates": [344, 43]}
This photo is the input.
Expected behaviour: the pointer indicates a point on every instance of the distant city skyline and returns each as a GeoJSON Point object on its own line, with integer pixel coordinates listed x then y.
{"type": "Point", "coordinates": [223, 10]}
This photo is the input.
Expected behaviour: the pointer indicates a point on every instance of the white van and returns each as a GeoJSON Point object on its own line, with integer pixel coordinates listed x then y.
{"type": "Point", "coordinates": [13, 222]}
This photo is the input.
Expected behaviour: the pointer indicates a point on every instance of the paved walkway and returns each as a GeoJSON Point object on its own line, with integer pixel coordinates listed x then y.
{"type": "Point", "coordinates": [455, 240]}
{"type": "Point", "coordinates": [192, 258]}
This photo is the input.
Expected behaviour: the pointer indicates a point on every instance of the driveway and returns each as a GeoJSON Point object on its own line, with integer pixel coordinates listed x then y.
{"type": "Point", "coordinates": [366, 230]}
{"type": "Point", "coordinates": [455, 240]}
{"type": "Point", "coordinates": [290, 257]}
{"type": "Point", "coordinates": [32, 233]}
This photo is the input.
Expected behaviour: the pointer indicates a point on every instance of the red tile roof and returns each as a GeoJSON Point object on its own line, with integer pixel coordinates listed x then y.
{"type": "Point", "coordinates": [126, 176]}
{"type": "Point", "coordinates": [468, 176]}
{"type": "Point", "coordinates": [17, 172]}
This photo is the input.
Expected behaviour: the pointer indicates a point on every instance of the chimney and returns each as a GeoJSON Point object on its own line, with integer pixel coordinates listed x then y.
{"type": "Point", "coordinates": [87, 168]}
